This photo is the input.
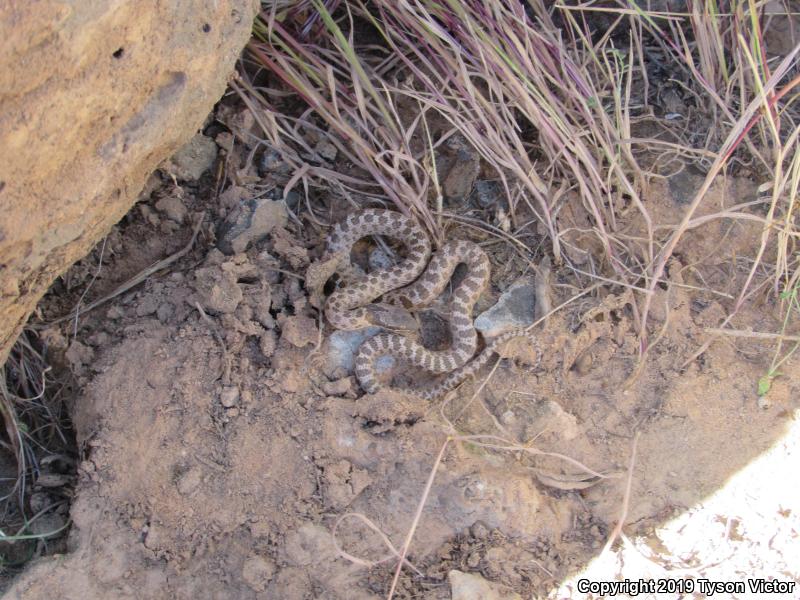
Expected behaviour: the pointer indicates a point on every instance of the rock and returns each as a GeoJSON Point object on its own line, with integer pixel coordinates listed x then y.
{"type": "Point", "coordinates": [326, 150]}
{"type": "Point", "coordinates": [79, 355]}
{"type": "Point", "coordinates": [164, 311]}
{"type": "Point", "coordinates": [459, 180]}
{"type": "Point", "coordinates": [267, 342]}
{"type": "Point", "coordinates": [217, 290]}
{"type": "Point", "coordinates": [487, 193]}
{"type": "Point", "coordinates": [174, 208]}
{"type": "Point", "coordinates": [47, 525]}
{"type": "Point", "coordinates": [471, 586]}
{"type": "Point", "coordinates": [340, 348]}
{"type": "Point", "coordinates": [272, 163]}
{"type": "Point", "coordinates": [516, 308]}
{"type": "Point", "coordinates": [257, 572]}
{"type": "Point", "coordinates": [340, 387]}
{"type": "Point", "coordinates": [95, 95]}
{"type": "Point", "coordinates": [250, 221]}
{"type": "Point", "coordinates": [195, 158]}
{"type": "Point", "coordinates": [189, 481]}
{"type": "Point", "coordinates": [300, 331]}
{"type": "Point", "coordinates": [229, 396]}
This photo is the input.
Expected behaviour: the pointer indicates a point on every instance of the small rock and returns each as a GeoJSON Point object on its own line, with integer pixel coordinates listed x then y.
{"type": "Point", "coordinates": [340, 387]}
{"type": "Point", "coordinates": [257, 572]}
{"type": "Point", "coordinates": [164, 311]}
{"type": "Point", "coordinates": [115, 312]}
{"type": "Point", "coordinates": [189, 481]}
{"type": "Point", "coordinates": [378, 259]}
{"type": "Point", "coordinates": [217, 290]}
{"type": "Point", "coordinates": [326, 150]}
{"type": "Point", "coordinates": [147, 305]}
{"type": "Point", "coordinates": [250, 221]}
{"type": "Point", "coordinates": [174, 208]}
{"type": "Point", "coordinates": [487, 193]}
{"type": "Point", "coordinates": [225, 141]}
{"type": "Point", "coordinates": [272, 163]}
{"type": "Point", "coordinates": [479, 530]}
{"type": "Point", "coordinates": [195, 158]}
{"type": "Point", "coordinates": [299, 331]}
{"type": "Point", "coordinates": [515, 309]}
{"type": "Point", "coordinates": [149, 215]}
{"type": "Point", "coordinates": [459, 180]}
{"type": "Point", "coordinates": [47, 524]}
{"type": "Point", "coordinates": [267, 342]}
{"type": "Point", "coordinates": [340, 348]}
{"type": "Point", "coordinates": [78, 355]}
{"type": "Point", "coordinates": [471, 586]}
{"type": "Point", "coordinates": [229, 396]}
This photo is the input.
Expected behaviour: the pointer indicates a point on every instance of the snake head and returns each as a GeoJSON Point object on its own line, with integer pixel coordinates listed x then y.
{"type": "Point", "coordinates": [392, 318]}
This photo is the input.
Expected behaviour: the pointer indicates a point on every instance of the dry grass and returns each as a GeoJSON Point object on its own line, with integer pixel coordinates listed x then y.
{"type": "Point", "coordinates": [552, 104]}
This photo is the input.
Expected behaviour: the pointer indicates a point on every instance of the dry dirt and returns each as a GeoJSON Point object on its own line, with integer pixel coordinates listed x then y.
{"type": "Point", "coordinates": [216, 460]}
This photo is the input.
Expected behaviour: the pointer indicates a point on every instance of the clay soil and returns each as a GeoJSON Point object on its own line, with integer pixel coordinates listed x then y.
{"type": "Point", "coordinates": [220, 453]}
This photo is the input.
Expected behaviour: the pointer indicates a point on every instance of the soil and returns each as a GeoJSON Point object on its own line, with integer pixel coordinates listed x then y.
{"type": "Point", "coordinates": [221, 456]}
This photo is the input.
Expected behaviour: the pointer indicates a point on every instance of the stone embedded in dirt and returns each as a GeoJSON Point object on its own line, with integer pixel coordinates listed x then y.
{"type": "Point", "coordinates": [250, 221]}
{"type": "Point", "coordinates": [299, 331]}
{"type": "Point", "coordinates": [340, 348]}
{"type": "Point", "coordinates": [516, 308]}
{"type": "Point", "coordinates": [79, 355]}
{"type": "Point", "coordinates": [257, 572]}
{"type": "Point", "coordinates": [486, 193]}
{"type": "Point", "coordinates": [267, 342]}
{"type": "Point", "coordinates": [346, 386]}
{"type": "Point", "coordinates": [147, 305]}
{"type": "Point", "coordinates": [462, 170]}
{"type": "Point", "coordinates": [229, 396]}
{"type": "Point", "coordinates": [173, 207]}
{"type": "Point", "coordinates": [195, 158]}
{"type": "Point", "coordinates": [189, 481]}
{"type": "Point", "coordinates": [379, 259]}
{"type": "Point", "coordinates": [471, 586]}
{"type": "Point", "coordinates": [46, 524]}
{"type": "Point", "coordinates": [326, 150]}
{"type": "Point", "coordinates": [164, 311]}
{"type": "Point", "coordinates": [217, 289]}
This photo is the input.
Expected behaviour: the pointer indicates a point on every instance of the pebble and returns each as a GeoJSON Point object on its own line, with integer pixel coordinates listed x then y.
{"type": "Point", "coordinates": [229, 396]}
{"type": "Point", "coordinates": [471, 586]}
{"type": "Point", "coordinates": [195, 158]}
{"type": "Point", "coordinates": [340, 348]}
{"type": "Point", "coordinates": [516, 308]}
{"type": "Point", "coordinates": [250, 221]}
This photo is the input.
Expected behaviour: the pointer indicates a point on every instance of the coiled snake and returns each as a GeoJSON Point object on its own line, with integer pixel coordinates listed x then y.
{"type": "Point", "coordinates": [407, 286]}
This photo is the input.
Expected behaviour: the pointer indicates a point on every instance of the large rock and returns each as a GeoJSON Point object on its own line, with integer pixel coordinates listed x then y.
{"type": "Point", "coordinates": [94, 94]}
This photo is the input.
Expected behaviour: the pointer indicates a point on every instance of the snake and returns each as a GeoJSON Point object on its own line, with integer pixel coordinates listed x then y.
{"type": "Point", "coordinates": [386, 297]}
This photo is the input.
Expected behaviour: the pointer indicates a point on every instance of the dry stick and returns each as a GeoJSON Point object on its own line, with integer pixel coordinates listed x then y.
{"type": "Point", "coordinates": [137, 279]}
{"type": "Point", "coordinates": [734, 137]}
{"type": "Point", "coordinates": [752, 334]}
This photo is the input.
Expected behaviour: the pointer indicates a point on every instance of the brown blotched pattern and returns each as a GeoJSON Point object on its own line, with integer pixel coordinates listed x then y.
{"type": "Point", "coordinates": [348, 308]}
